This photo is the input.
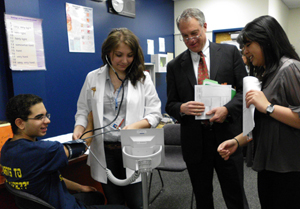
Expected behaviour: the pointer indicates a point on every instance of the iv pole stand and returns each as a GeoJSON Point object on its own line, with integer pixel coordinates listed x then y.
{"type": "Point", "coordinates": [145, 190]}
{"type": "Point", "coordinates": [145, 167]}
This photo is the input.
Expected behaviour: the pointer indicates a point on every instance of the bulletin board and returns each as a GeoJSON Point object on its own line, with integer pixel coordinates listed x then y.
{"type": "Point", "coordinates": [220, 37]}
{"type": "Point", "coordinates": [224, 34]}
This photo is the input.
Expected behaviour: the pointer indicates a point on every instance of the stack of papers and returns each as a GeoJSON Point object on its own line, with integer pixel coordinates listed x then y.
{"type": "Point", "coordinates": [212, 95]}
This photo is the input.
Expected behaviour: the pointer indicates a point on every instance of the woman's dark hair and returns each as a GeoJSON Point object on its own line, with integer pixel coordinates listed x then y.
{"type": "Point", "coordinates": [113, 41]}
{"type": "Point", "coordinates": [19, 107]}
{"type": "Point", "coordinates": [268, 33]}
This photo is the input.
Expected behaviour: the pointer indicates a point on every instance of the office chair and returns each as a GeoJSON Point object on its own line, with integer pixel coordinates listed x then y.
{"type": "Point", "coordinates": [173, 156]}
{"type": "Point", "coordinates": [25, 200]}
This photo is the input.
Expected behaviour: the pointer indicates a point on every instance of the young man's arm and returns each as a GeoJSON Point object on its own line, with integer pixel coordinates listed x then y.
{"type": "Point", "coordinates": [71, 185]}
{"type": "Point", "coordinates": [68, 146]}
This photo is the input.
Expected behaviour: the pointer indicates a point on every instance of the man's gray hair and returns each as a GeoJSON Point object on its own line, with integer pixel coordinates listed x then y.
{"type": "Point", "coordinates": [191, 13]}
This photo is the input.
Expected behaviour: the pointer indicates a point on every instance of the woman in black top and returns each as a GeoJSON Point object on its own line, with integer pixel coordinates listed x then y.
{"type": "Point", "coordinates": [277, 123]}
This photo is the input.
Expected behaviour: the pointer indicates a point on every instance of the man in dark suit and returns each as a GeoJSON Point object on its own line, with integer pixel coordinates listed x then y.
{"type": "Point", "coordinates": [200, 138]}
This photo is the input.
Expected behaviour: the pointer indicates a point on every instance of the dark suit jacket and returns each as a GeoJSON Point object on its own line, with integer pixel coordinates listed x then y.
{"type": "Point", "coordinates": [226, 66]}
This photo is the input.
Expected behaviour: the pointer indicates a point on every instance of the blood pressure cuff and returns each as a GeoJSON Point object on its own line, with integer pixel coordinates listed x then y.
{"type": "Point", "coordinates": [75, 147]}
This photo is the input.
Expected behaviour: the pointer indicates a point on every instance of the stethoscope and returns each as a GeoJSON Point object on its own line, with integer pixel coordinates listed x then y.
{"type": "Point", "coordinates": [116, 101]}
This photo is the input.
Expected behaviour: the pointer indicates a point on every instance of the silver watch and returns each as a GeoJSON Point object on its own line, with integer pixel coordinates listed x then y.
{"type": "Point", "coordinates": [270, 109]}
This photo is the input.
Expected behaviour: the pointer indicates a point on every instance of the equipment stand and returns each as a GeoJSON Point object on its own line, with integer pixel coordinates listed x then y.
{"type": "Point", "coordinates": [145, 190]}
{"type": "Point", "coordinates": [145, 167]}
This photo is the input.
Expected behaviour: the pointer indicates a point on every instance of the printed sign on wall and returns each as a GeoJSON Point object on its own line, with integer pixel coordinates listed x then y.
{"type": "Point", "coordinates": [80, 28]}
{"type": "Point", "coordinates": [25, 43]}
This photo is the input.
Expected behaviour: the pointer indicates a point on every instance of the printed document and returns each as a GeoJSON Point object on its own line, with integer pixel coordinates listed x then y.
{"type": "Point", "coordinates": [212, 96]}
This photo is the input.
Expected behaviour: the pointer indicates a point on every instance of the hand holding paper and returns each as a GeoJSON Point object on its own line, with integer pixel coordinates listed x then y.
{"type": "Point", "coordinates": [219, 114]}
{"type": "Point", "coordinates": [213, 96]}
{"type": "Point", "coordinates": [258, 99]}
{"type": "Point", "coordinates": [192, 108]}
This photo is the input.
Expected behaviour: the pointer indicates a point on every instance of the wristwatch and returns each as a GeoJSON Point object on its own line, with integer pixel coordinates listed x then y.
{"type": "Point", "coordinates": [270, 109]}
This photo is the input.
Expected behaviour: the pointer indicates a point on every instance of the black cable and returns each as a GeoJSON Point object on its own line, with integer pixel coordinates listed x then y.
{"type": "Point", "coordinates": [123, 81]}
{"type": "Point", "coordinates": [96, 129]}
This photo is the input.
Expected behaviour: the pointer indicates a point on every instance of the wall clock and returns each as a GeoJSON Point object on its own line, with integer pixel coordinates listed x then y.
{"type": "Point", "coordinates": [122, 7]}
{"type": "Point", "coordinates": [117, 5]}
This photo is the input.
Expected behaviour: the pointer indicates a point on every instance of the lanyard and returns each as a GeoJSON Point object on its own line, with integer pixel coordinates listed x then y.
{"type": "Point", "coordinates": [116, 98]}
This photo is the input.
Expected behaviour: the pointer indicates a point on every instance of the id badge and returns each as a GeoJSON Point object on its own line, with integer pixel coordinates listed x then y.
{"type": "Point", "coordinates": [117, 123]}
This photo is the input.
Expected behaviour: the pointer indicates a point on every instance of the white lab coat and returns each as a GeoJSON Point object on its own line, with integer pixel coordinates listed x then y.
{"type": "Point", "coordinates": [142, 103]}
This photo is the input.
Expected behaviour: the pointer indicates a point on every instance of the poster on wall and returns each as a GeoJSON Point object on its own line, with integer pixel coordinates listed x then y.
{"type": "Point", "coordinates": [25, 42]}
{"type": "Point", "coordinates": [80, 28]}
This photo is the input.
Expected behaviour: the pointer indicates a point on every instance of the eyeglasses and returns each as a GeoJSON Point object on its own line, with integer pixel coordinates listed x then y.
{"type": "Point", "coordinates": [188, 39]}
{"type": "Point", "coordinates": [41, 117]}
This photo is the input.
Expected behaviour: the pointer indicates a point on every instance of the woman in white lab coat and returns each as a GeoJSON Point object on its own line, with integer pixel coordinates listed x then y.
{"type": "Point", "coordinates": [122, 92]}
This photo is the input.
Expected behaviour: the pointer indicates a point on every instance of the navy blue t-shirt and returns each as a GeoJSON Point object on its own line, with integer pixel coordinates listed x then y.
{"type": "Point", "coordinates": [34, 168]}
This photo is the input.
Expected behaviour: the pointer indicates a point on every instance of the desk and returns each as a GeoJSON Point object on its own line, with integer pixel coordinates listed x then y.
{"type": "Point", "coordinates": [77, 171]}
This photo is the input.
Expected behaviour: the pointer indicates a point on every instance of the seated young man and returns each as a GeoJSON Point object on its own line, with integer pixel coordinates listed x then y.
{"type": "Point", "coordinates": [33, 166]}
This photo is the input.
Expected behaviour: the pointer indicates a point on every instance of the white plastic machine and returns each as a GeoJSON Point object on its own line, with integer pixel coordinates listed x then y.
{"type": "Point", "coordinates": [143, 150]}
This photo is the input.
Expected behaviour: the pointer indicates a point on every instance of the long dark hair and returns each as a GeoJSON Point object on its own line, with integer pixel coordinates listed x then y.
{"type": "Point", "coordinates": [124, 35]}
{"type": "Point", "coordinates": [268, 33]}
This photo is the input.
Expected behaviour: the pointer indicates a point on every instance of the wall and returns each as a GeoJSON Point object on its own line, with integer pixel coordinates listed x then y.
{"type": "Point", "coordinates": [294, 28]}
{"type": "Point", "coordinates": [221, 14]}
{"type": "Point", "coordinates": [60, 85]}
{"type": "Point", "coordinates": [5, 75]}
{"type": "Point", "coordinates": [280, 11]}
